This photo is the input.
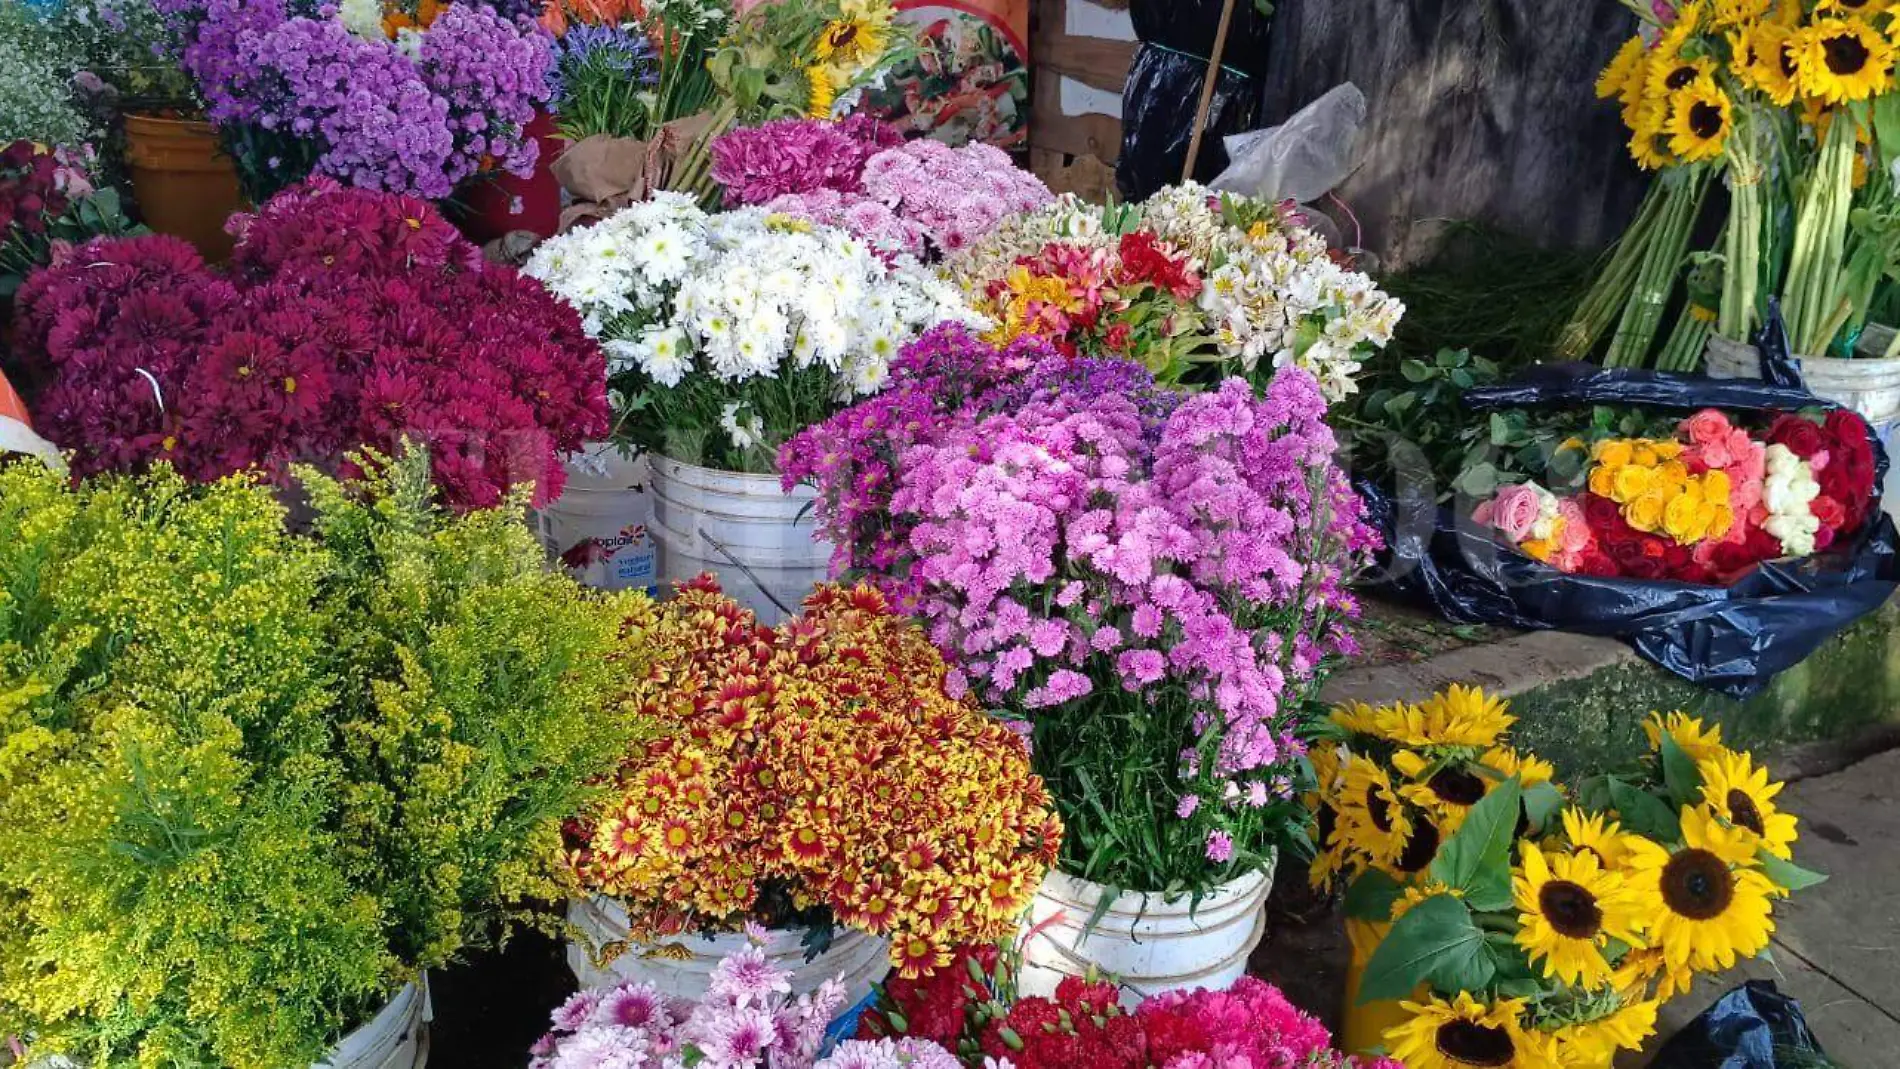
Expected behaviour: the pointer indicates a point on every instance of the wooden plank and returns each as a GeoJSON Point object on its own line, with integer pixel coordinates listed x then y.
{"type": "Point", "coordinates": [1074, 135]}
{"type": "Point", "coordinates": [1085, 176]}
{"type": "Point", "coordinates": [1096, 61]}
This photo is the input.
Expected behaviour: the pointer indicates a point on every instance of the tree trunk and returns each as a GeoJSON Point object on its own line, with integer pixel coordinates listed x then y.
{"type": "Point", "coordinates": [1476, 109]}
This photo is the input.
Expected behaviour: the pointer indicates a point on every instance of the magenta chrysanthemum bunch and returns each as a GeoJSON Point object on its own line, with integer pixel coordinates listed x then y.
{"type": "Point", "coordinates": [350, 319]}
{"type": "Point", "coordinates": [417, 114]}
{"type": "Point", "coordinates": [918, 197]}
{"type": "Point", "coordinates": [1091, 550]}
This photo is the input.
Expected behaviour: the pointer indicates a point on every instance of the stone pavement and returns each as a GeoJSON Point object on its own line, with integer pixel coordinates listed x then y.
{"type": "Point", "coordinates": [1837, 946]}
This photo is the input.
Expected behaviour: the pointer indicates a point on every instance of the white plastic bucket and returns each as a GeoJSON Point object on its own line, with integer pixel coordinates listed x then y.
{"type": "Point", "coordinates": [758, 540]}
{"type": "Point", "coordinates": [1868, 384]}
{"type": "Point", "coordinates": [396, 1038]}
{"type": "Point", "coordinates": [1148, 944]}
{"type": "Point", "coordinates": [598, 528]}
{"type": "Point", "coordinates": [854, 958]}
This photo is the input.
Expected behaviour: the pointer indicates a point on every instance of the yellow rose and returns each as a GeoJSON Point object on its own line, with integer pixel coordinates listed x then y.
{"type": "Point", "coordinates": [1680, 518]}
{"type": "Point", "coordinates": [1645, 454]}
{"type": "Point", "coordinates": [1673, 473]}
{"type": "Point", "coordinates": [1721, 520]}
{"type": "Point", "coordinates": [1632, 482]}
{"type": "Point", "coordinates": [1603, 480]}
{"type": "Point", "coordinates": [1715, 487]}
{"type": "Point", "coordinates": [1667, 449]}
{"type": "Point", "coordinates": [1613, 452]}
{"type": "Point", "coordinates": [1537, 548]}
{"type": "Point", "coordinates": [1645, 512]}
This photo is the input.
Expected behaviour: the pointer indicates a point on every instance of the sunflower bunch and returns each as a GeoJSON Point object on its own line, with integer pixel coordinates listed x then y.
{"type": "Point", "coordinates": [1529, 927]}
{"type": "Point", "coordinates": [815, 772]}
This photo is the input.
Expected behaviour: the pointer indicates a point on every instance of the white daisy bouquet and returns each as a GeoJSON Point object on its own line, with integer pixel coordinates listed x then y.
{"type": "Point", "coordinates": [1197, 285]}
{"type": "Point", "coordinates": [1523, 925]}
{"type": "Point", "coordinates": [726, 334]}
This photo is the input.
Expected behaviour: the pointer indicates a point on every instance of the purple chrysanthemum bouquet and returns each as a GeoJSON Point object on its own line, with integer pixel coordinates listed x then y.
{"type": "Point", "coordinates": [1154, 582]}
{"type": "Point", "coordinates": [373, 99]}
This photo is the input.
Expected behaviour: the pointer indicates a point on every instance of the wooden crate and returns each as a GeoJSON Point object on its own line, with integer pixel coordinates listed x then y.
{"type": "Point", "coordinates": [1081, 51]}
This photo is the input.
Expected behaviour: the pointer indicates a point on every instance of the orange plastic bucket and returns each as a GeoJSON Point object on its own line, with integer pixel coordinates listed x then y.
{"type": "Point", "coordinates": [11, 407]}
{"type": "Point", "coordinates": [185, 185]}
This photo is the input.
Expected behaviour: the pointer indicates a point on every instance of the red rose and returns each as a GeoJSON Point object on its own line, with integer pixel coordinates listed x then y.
{"type": "Point", "coordinates": [1823, 538]}
{"type": "Point", "coordinates": [1654, 549]}
{"type": "Point", "coordinates": [1829, 511]}
{"type": "Point", "coordinates": [1845, 425]}
{"type": "Point", "coordinates": [1594, 561]}
{"type": "Point", "coordinates": [1677, 557]}
{"type": "Point", "coordinates": [1602, 514]}
{"type": "Point", "coordinates": [1800, 435]}
{"type": "Point", "coordinates": [1643, 568]}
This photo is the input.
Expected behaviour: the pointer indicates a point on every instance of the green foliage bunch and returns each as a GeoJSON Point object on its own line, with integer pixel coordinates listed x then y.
{"type": "Point", "coordinates": [251, 782]}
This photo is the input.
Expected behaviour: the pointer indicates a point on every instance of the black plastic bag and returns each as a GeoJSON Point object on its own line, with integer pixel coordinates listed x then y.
{"type": "Point", "coordinates": [1163, 91]}
{"type": "Point", "coordinates": [1777, 363]}
{"type": "Point", "coordinates": [1730, 639]}
{"type": "Point", "coordinates": [1751, 1027]}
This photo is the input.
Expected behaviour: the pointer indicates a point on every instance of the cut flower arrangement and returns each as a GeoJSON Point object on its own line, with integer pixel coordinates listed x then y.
{"type": "Point", "coordinates": [726, 333]}
{"type": "Point", "coordinates": [48, 202]}
{"type": "Point", "coordinates": [1703, 505]}
{"type": "Point", "coordinates": [1195, 284]}
{"type": "Point", "coordinates": [349, 318]}
{"type": "Point", "coordinates": [1528, 926]}
{"type": "Point", "coordinates": [408, 96]}
{"type": "Point", "coordinates": [251, 782]}
{"type": "Point", "coordinates": [814, 773]}
{"type": "Point", "coordinates": [969, 1007]}
{"type": "Point", "coordinates": [1153, 581]}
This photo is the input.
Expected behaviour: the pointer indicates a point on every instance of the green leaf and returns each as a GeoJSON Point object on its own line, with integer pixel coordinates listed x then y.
{"type": "Point", "coordinates": [1398, 404]}
{"type": "Point", "coordinates": [1887, 128]}
{"type": "Point", "coordinates": [1370, 897]}
{"type": "Point", "coordinates": [1542, 802]}
{"type": "Point", "coordinates": [1435, 940]}
{"type": "Point", "coordinates": [1480, 480]}
{"type": "Point", "coordinates": [1415, 370]}
{"type": "Point", "coordinates": [1500, 429]}
{"type": "Point", "coordinates": [1462, 379]}
{"type": "Point", "coordinates": [1680, 776]}
{"type": "Point", "coordinates": [1644, 813]}
{"type": "Point", "coordinates": [1788, 874]}
{"type": "Point", "coordinates": [1477, 860]}
{"type": "Point", "coordinates": [1449, 358]}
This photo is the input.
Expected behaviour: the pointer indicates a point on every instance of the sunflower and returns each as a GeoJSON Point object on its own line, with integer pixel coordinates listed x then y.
{"type": "Point", "coordinates": [1467, 1034]}
{"type": "Point", "coordinates": [1457, 716]}
{"type": "Point", "coordinates": [1646, 146]}
{"type": "Point", "coordinates": [1569, 909]}
{"type": "Point", "coordinates": [1623, 78]}
{"type": "Point", "coordinates": [1528, 769]}
{"type": "Point", "coordinates": [1447, 791]}
{"type": "Point", "coordinates": [1359, 718]}
{"type": "Point", "coordinates": [1698, 742]}
{"type": "Point", "coordinates": [1333, 855]}
{"type": "Point", "coordinates": [1765, 60]}
{"type": "Point", "coordinates": [1635, 973]}
{"type": "Point", "coordinates": [854, 40]}
{"type": "Point", "coordinates": [1737, 12]}
{"type": "Point", "coordinates": [1596, 1042]}
{"type": "Point", "coordinates": [1700, 118]}
{"type": "Point", "coordinates": [1842, 60]}
{"type": "Point", "coordinates": [1417, 893]}
{"type": "Point", "coordinates": [1598, 836]}
{"type": "Point", "coordinates": [1739, 792]}
{"type": "Point", "coordinates": [824, 92]}
{"type": "Point", "coordinates": [1372, 820]}
{"type": "Point", "coordinates": [1712, 903]}
{"type": "Point", "coordinates": [1864, 8]}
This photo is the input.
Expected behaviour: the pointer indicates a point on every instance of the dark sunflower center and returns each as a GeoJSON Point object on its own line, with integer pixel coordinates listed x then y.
{"type": "Point", "coordinates": [1420, 847]}
{"type": "Point", "coordinates": [1705, 120]}
{"type": "Point", "coordinates": [1467, 1043]}
{"type": "Point", "coordinates": [1741, 810]}
{"type": "Point", "coordinates": [1696, 884]}
{"type": "Point", "coordinates": [1786, 56]}
{"type": "Point", "coordinates": [1327, 820]}
{"type": "Point", "coordinates": [1845, 54]}
{"type": "Point", "coordinates": [1378, 810]}
{"type": "Point", "coordinates": [1853, 5]}
{"type": "Point", "coordinates": [1458, 787]}
{"type": "Point", "coordinates": [1680, 77]}
{"type": "Point", "coordinates": [1570, 909]}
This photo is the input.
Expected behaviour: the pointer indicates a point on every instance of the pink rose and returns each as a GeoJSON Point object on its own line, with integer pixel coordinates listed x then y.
{"type": "Point", "coordinates": [1575, 536]}
{"type": "Point", "coordinates": [1706, 426]}
{"type": "Point", "coordinates": [1483, 514]}
{"type": "Point", "coordinates": [1516, 511]}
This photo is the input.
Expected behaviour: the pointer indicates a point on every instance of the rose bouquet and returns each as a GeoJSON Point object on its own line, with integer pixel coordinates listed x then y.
{"type": "Point", "coordinates": [410, 98]}
{"type": "Point", "coordinates": [816, 773]}
{"type": "Point", "coordinates": [1704, 506]}
{"type": "Point", "coordinates": [918, 198]}
{"type": "Point", "coordinates": [48, 202]}
{"type": "Point", "coordinates": [966, 1007]}
{"type": "Point", "coordinates": [1544, 931]}
{"type": "Point", "coordinates": [1154, 582]}
{"type": "Point", "coordinates": [727, 333]}
{"type": "Point", "coordinates": [1190, 283]}
{"type": "Point", "coordinates": [350, 318]}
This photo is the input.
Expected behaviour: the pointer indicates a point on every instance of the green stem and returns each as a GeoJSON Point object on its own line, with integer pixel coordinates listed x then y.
{"type": "Point", "coordinates": [1612, 287]}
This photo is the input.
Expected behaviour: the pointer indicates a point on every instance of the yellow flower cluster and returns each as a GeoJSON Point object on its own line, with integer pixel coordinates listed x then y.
{"type": "Point", "coordinates": [1679, 92]}
{"type": "Point", "coordinates": [1657, 493]}
{"type": "Point", "coordinates": [820, 762]}
{"type": "Point", "coordinates": [1611, 921]}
